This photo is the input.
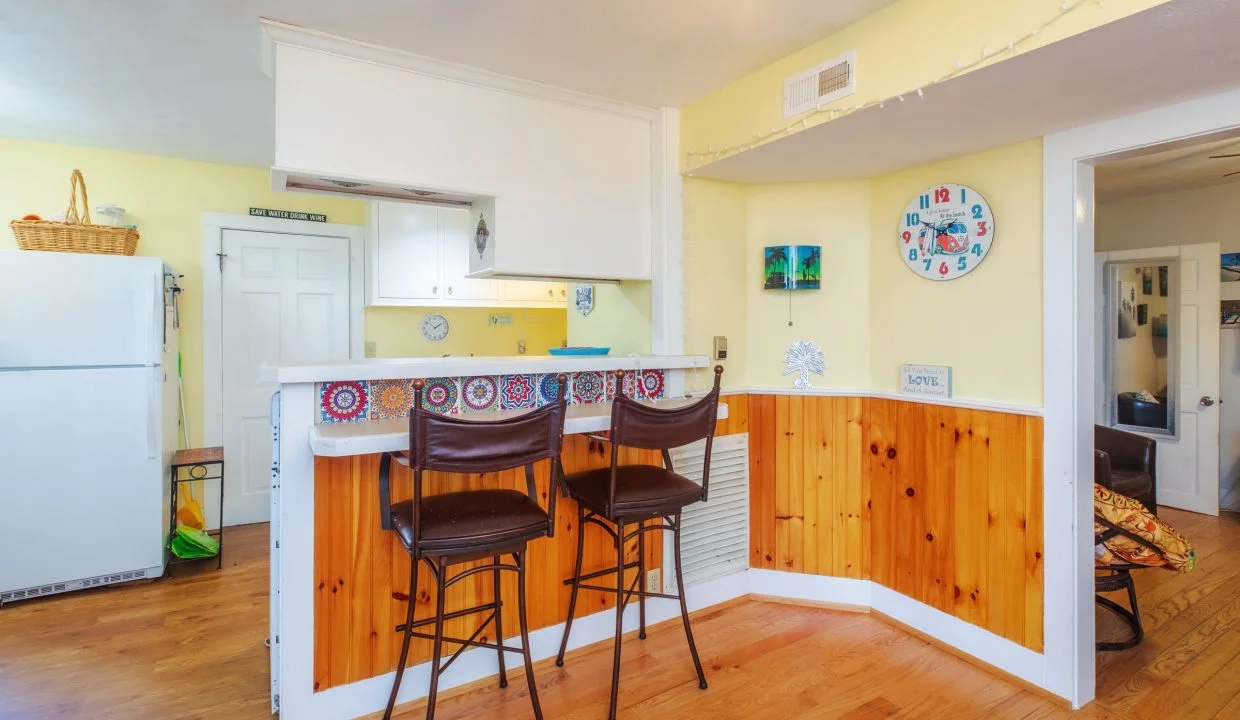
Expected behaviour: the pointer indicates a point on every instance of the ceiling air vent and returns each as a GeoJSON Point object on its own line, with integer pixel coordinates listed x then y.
{"type": "Point", "coordinates": [821, 84]}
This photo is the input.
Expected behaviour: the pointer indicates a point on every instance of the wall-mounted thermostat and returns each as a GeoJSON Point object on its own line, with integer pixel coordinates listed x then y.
{"type": "Point", "coordinates": [721, 348]}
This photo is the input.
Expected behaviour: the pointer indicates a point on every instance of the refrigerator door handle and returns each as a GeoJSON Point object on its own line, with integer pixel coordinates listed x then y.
{"type": "Point", "coordinates": [152, 412]}
{"type": "Point", "coordinates": [154, 304]}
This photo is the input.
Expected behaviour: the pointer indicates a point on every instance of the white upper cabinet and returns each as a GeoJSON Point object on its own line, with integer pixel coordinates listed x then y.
{"type": "Point", "coordinates": [419, 255]}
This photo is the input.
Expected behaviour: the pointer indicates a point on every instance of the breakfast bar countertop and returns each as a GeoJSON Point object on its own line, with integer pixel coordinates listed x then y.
{"type": "Point", "coordinates": [398, 368]}
{"type": "Point", "coordinates": [391, 435]}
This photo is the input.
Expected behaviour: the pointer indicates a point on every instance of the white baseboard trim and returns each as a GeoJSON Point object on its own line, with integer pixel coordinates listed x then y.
{"type": "Point", "coordinates": [370, 695]}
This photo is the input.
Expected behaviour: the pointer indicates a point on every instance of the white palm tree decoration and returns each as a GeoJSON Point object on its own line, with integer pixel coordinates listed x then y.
{"type": "Point", "coordinates": [803, 357]}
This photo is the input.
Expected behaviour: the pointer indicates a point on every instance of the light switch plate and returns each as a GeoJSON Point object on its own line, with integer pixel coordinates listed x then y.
{"type": "Point", "coordinates": [720, 348]}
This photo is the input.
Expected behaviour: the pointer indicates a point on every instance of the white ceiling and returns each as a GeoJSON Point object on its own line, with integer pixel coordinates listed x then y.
{"type": "Point", "coordinates": [181, 77]}
{"type": "Point", "coordinates": [1171, 53]}
{"type": "Point", "coordinates": [1178, 168]}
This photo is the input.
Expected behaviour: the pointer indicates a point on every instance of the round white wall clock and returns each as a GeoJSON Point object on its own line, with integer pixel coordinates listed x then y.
{"type": "Point", "coordinates": [434, 327]}
{"type": "Point", "coordinates": [946, 231]}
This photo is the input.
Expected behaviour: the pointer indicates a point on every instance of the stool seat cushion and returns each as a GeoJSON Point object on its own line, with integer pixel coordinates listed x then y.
{"type": "Point", "coordinates": [460, 521]}
{"type": "Point", "coordinates": [639, 488]}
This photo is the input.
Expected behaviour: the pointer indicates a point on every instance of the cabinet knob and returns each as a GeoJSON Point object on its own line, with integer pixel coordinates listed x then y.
{"type": "Point", "coordinates": [434, 288]}
{"type": "Point", "coordinates": [551, 293]}
{"type": "Point", "coordinates": [449, 289]}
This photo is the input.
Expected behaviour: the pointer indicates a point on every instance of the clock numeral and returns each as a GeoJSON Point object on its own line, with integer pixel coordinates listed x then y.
{"type": "Point", "coordinates": [977, 249]}
{"type": "Point", "coordinates": [927, 262]}
{"type": "Point", "coordinates": [912, 219]}
{"type": "Point", "coordinates": [907, 236]}
{"type": "Point", "coordinates": [923, 202]}
{"type": "Point", "coordinates": [942, 195]}
{"type": "Point", "coordinates": [963, 195]}
{"type": "Point", "coordinates": [981, 228]}
{"type": "Point", "coordinates": [943, 268]}
{"type": "Point", "coordinates": [963, 264]}
{"type": "Point", "coordinates": [912, 255]}
{"type": "Point", "coordinates": [977, 212]}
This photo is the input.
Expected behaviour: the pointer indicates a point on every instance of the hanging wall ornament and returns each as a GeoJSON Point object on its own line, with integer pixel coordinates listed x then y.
{"type": "Point", "coordinates": [803, 357]}
{"type": "Point", "coordinates": [481, 235]}
{"type": "Point", "coordinates": [584, 298]}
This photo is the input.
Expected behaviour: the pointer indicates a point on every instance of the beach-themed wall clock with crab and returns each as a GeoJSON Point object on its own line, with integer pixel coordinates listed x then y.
{"type": "Point", "coordinates": [946, 231]}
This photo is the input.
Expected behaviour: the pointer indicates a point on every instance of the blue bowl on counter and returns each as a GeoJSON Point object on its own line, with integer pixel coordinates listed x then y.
{"type": "Point", "coordinates": [579, 351]}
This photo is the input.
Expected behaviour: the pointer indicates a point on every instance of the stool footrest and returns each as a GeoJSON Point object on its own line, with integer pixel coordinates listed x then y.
{"type": "Point", "coordinates": [601, 573]}
{"type": "Point", "coordinates": [450, 616]}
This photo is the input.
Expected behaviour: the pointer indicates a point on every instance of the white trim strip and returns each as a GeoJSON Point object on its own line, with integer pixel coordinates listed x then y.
{"type": "Point", "coordinates": [1010, 408]}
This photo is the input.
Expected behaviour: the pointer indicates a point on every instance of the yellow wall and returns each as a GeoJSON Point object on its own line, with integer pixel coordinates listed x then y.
{"type": "Point", "coordinates": [716, 281]}
{"type": "Point", "coordinates": [620, 319]}
{"type": "Point", "coordinates": [395, 331]}
{"type": "Point", "coordinates": [987, 324]}
{"type": "Point", "coordinates": [836, 317]}
{"type": "Point", "coordinates": [893, 56]}
{"type": "Point", "coordinates": [166, 198]}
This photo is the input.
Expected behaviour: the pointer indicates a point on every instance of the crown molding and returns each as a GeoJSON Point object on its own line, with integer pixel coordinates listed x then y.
{"type": "Point", "coordinates": [276, 33]}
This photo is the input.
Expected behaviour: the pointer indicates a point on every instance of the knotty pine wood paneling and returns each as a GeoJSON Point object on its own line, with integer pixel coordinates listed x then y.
{"type": "Point", "coordinates": [941, 504]}
{"type": "Point", "coordinates": [362, 572]}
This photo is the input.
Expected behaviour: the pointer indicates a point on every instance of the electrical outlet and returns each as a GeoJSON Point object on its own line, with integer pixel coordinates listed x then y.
{"type": "Point", "coordinates": [520, 347]}
{"type": "Point", "coordinates": [654, 580]}
{"type": "Point", "coordinates": [371, 349]}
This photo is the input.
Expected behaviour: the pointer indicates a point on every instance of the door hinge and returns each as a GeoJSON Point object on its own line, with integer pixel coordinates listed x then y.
{"type": "Point", "coordinates": [221, 256]}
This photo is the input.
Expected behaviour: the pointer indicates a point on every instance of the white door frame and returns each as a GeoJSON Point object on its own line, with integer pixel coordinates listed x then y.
{"type": "Point", "coordinates": [213, 227]}
{"type": "Point", "coordinates": [1068, 365]}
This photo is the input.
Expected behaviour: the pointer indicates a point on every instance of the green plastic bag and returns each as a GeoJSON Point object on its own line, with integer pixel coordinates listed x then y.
{"type": "Point", "coordinates": [190, 542]}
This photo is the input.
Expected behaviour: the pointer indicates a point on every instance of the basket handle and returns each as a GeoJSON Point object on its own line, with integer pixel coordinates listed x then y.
{"type": "Point", "coordinates": [77, 184]}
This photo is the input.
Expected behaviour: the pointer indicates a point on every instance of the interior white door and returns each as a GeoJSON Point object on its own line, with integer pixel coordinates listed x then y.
{"type": "Point", "coordinates": [457, 244]}
{"type": "Point", "coordinates": [285, 300]}
{"type": "Point", "coordinates": [1188, 468]}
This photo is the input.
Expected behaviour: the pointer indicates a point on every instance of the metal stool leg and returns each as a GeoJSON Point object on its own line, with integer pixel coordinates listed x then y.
{"type": "Point", "coordinates": [641, 578]}
{"type": "Point", "coordinates": [615, 667]}
{"type": "Point", "coordinates": [404, 645]}
{"type": "Point", "coordinates": [499, 626]}
{"type": "Point", "coordinates": [525, 636]}
{"type": "Point", "coordinates": [572, 601]}
{"type": "Point", "coordinates": [437, 654]}
{"type": "Point", "coordinates": [684, 609]}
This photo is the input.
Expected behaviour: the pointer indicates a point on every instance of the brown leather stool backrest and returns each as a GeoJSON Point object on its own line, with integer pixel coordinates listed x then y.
{"type": "Point", "coordinates": [450, 444]}
{"type": "Point", "coordinates": [640, 426]}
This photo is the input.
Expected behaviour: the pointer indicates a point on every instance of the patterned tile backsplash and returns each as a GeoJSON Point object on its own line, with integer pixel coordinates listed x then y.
{"type": "Point", "coordinates": [352, 400]}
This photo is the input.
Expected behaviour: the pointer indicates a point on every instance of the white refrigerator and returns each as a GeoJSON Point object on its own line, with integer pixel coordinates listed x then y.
{"type": "Point", "coordinates": [88, 419]}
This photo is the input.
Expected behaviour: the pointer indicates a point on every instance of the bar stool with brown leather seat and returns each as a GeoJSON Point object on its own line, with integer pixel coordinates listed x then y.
{"type": "Point", "coordinates": [628, 494]}
{"type": "Point", "coordinates": [457, 527]}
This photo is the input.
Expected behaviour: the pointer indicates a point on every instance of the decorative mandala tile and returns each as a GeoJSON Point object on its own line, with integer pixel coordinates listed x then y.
{"type": "Point", "coordinates": [548, 389]}
{"type": "Point", "coordinates": [628, 388]}
{"type": "Point", "coordinates": [390, 399]}
{"type": "Point", "coordinates": [588, 388]}
{"type": "Point", "coordinates": [518, 391]}
{"type": "Point", "coordinates": [650, 385]}
{"type": "Point", "coordinates": [480, 393]}
{"type": "Point", "coordinates": [439, 395]}
{"type": "Point", "coordinates": [343, 401]}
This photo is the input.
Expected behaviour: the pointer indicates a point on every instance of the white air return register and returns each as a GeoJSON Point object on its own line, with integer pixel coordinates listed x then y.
{"type": "Point", "coordinates": [821, 84]}
{"type": "Point", "coordinates": [715, 534]}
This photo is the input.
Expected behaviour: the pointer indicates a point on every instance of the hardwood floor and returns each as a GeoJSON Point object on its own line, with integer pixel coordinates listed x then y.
{"type": "Point", "coordinates": [192, 647]}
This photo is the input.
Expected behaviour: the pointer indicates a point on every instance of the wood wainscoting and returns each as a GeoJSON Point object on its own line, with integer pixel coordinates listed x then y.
{"type": "Point", "coordinates": [942, 504]}
{"type": "Point", "coordinates": [362, 572]}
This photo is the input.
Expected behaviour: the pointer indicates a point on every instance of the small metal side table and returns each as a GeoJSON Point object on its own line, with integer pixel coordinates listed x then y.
{"type": "Point", "coordinates": [202, 464]}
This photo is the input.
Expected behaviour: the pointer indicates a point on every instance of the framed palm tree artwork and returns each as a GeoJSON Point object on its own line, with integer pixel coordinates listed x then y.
{"type": "Point", "coordinates": [792, 267]}
{"type": "Point", "coordinates": [807, 273]}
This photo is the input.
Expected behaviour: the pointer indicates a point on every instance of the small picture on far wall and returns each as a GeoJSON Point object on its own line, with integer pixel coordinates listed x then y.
{"type": "Point", "coordinates": [1230, 312]}
{"type": "Point", "coordinates": [1143, 314]}
{"type": "Point", "coordinates": [1229, 270]}
{"type": "Point", "coordinates": [1162, 281]}
{"type": "Point", "coordinates": [1160, 326]}
{"type": "Point", "coordinates": [1147, 282]}
{"type": "Point", "coordinates": [1127, 310]}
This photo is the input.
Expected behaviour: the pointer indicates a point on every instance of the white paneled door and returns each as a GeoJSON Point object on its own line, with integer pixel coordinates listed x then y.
{"type": "Point", "coordinates": [285, 300]}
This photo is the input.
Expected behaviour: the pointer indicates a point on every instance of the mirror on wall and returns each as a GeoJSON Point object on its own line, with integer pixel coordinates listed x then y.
{"type": "Point", "coordinates": [1142, 330]}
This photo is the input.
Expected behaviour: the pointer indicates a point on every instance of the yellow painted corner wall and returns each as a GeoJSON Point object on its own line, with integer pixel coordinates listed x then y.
{"type": "Point", "coordinates": [395, 331]}
{"type": "Point", "coordinates": [716, 279]}
{"type": "Point", "coordinates": [893, 56]}
{"type": "Point", "coordinates": [987, 325]}
{"type": "Point", "coordinates": [836, 216]}
{"type": "Point", "coordinates": [166, 199]}
{"type": "Point", "coordinates": [620, 319]}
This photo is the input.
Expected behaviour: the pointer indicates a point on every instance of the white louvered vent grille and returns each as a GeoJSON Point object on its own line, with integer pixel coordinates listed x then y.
{"type": "Point", "coordinates": [55, 588]}
{"type": "Point", "coordinates": [821, 84]}
{"type": "Point", "coordinates": [715, 535]}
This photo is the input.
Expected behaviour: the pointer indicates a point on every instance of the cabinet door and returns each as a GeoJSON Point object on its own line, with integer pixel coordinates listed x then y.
{"type": "Point", "coordinates": [457, 244]}
{"type": "Point", "coordinates": [407, 260]}
{"type": "Point", "coordinates": [534, 292]}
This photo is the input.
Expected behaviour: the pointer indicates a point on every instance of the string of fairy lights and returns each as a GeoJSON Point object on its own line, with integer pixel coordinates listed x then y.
{"type": "Point", "coordinates": [698, 158]}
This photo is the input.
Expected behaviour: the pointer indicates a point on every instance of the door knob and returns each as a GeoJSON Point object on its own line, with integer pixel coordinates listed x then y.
{"type": "Point", "coordinates": [1207, 401]}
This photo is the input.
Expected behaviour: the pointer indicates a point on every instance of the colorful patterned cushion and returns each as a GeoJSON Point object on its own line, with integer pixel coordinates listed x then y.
{"type": "Point", "coordinates": [1175, 552]}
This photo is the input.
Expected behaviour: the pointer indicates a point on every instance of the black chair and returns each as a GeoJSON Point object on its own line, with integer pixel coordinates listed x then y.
{"type": "Point", "coordinates": [1132, 463]}
{"type": "Point", "coordinates": [452, 528]}
{"type": "Point", "coordinates": [626, 494]}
